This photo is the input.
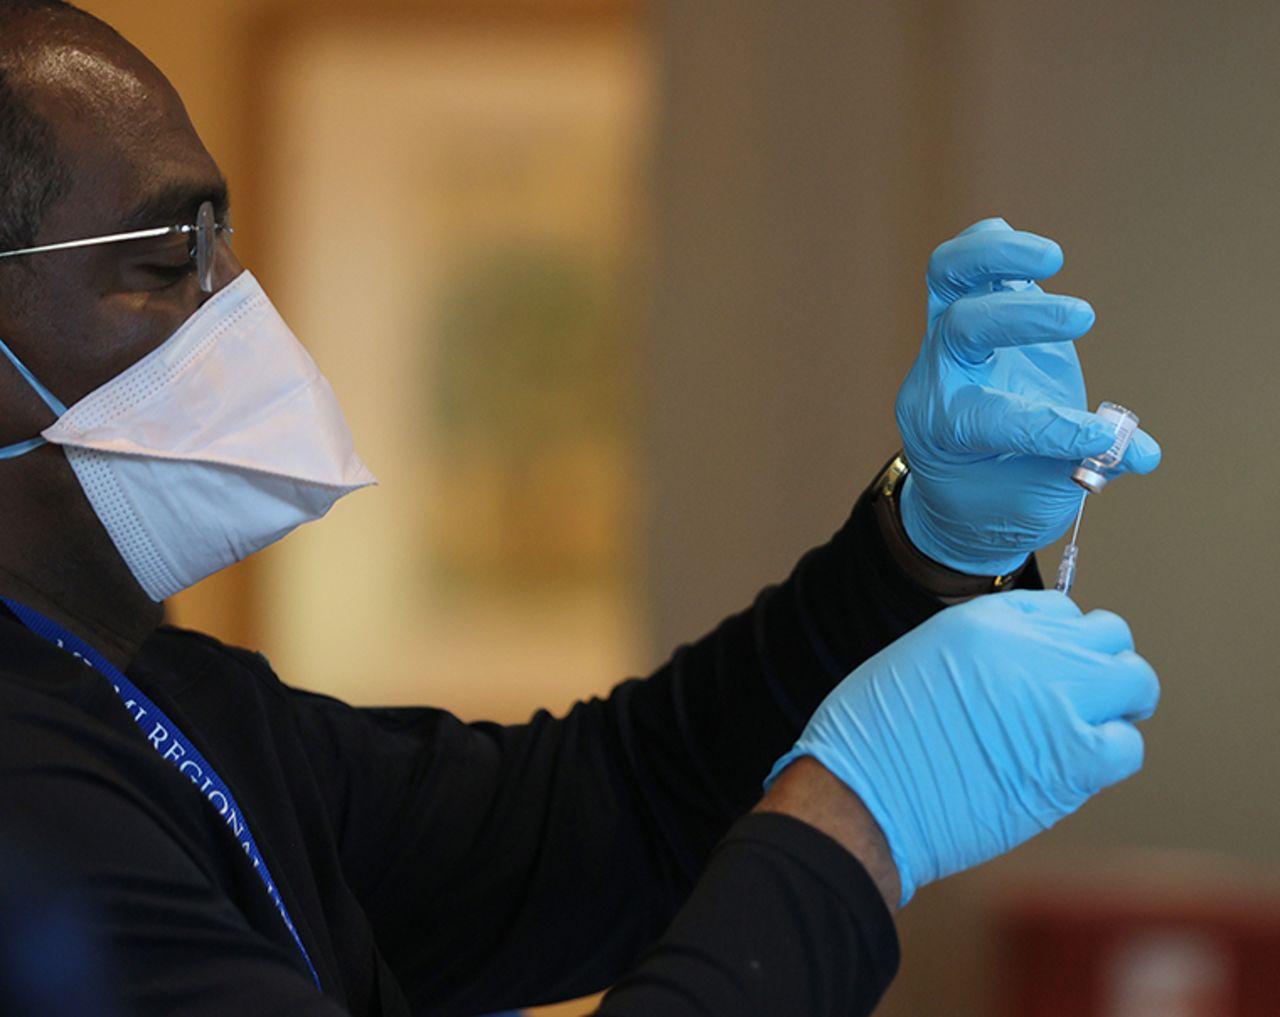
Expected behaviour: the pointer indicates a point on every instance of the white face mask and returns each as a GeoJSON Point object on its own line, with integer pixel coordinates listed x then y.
{"type": "Point", "coordinates": [216, 444]}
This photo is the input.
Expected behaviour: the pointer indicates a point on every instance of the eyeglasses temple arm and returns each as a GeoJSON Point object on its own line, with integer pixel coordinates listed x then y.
{"type": "Point", "coordinates": [114, 238]}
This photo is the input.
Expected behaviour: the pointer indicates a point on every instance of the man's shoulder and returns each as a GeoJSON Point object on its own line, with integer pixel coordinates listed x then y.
{"type": "Point", "coordinates": [175, 650]}
{"type": "Point", "coordinates": [175, 638]}
{"type": "Point", "coordinates": [208, 676]}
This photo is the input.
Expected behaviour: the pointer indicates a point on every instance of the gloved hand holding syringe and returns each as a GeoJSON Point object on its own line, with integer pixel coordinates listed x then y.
{"type": "Point", "coordinates": [1092, 475]}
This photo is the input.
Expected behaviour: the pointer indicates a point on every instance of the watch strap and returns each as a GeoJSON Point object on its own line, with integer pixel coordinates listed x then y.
{"type": "Point", "coordinates": [942, 581]}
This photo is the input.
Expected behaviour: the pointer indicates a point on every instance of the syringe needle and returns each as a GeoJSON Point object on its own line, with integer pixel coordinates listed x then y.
{"type": "Point", "coordinates": [1067, 567]}
{"type": "Point", "coordinates": [1079, 515]}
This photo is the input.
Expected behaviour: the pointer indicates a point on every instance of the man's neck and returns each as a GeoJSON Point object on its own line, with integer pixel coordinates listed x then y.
{"type": "Point", "coordinates": [56, 558]}
{"type": "Point", "coordinates": [109, 623]}
{"type": "Point", "coordinates": [98, 620]}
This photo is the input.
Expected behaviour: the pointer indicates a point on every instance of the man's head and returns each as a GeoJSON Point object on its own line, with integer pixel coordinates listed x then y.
{"type": "Point", "coordinates": [32, 175]}
{"type": "Point", "coordinates": [93, 141]}
{"type": "Point", "coordinates": [103, 145]}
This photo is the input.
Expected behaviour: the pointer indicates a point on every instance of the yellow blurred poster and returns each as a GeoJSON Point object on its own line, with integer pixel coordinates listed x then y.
{"type": "Point", "coordinates": [457, 223]}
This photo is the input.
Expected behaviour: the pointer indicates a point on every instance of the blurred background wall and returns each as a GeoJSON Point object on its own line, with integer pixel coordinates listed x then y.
{"type": "Point", "coordinates": [805, 159]}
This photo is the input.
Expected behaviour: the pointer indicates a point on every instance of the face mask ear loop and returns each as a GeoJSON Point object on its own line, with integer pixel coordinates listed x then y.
{"type": "Point", "coordinates": [50, 400]}
{"type": "Point", "coordinates": [21, 449]}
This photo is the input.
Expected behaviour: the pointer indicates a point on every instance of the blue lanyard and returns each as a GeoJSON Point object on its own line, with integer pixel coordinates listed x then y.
{"type": "Point", "coordinates": [172, 745]}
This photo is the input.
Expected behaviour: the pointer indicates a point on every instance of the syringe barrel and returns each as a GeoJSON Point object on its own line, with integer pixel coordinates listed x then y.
{"type": "Point", "coordinates": [1067, 568]}
{"type": "Point", "coordinates": [1094, 473]}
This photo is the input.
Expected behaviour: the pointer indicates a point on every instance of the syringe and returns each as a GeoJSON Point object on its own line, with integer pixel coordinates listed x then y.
{"type": "Point", "coordinates": [1093, 475]}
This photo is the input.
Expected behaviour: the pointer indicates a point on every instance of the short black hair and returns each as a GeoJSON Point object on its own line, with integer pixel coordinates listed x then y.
{"type": "Point", "coordinates": [33, 176]}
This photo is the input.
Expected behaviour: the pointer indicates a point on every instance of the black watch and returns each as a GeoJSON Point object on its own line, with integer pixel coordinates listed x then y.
{"type": "Point", "coordinates": [940, 580]}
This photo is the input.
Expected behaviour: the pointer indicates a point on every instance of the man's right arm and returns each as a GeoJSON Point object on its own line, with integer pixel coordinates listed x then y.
{"type": "Point", "coordinates": [978, 730]}
{"type": "Point", "coordinates": [807, 791]}
{"type": "Point", "coordinates": [793, 915]}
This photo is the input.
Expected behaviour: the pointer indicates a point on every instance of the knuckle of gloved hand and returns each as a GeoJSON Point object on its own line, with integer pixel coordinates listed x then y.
{"type": "Point", "coordinates": [1145, 675]}
{"type": "Point", "coordinates": [1113, 752]}
{"type": "Point", "coordinates": [1065, 312]}
{"type": "Point", "coordinates": [969, 324]}
{"type": "Point", "coordinates": [955, 322]}
{"type": "Point", "coordinates": [1134, 662]}
{"type": "Point", "coordinates": [1151, 701]}
{"type": "Point", "coordinates": [1115, 626]}
{"type": "Point", "coordinates": [976, 627]}
{"type": "Point", "coordinates": [938, 271]}
{"type": "Point", "coordinates": [1128, 757]}
{"type": "Point", "coordinates": [946, 332]}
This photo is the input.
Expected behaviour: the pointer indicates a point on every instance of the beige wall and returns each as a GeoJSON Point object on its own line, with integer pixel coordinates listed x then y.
{"type": "Point", "coordinates": [794, 220]}
{"type": "Point", "coordinates": [812, 156]}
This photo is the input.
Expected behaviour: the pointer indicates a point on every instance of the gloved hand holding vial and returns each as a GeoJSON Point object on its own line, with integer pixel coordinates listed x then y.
{"type": "Point", "coordinates": [993, 415]}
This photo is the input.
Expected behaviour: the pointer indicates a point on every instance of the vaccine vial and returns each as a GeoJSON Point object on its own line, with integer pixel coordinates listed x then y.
{"type": "Point", "coordinates": [1094, 473]}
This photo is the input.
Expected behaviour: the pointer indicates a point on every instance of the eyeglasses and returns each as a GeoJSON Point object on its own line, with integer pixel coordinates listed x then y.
{"type": "Point", "coordinates": [202, 239]}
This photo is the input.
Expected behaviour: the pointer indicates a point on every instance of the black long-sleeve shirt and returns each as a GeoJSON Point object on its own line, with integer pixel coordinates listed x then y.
{"type": "Point", "coordinates": [436, 867]}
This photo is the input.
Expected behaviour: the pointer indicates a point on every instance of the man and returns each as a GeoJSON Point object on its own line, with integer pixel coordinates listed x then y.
{"type": "Point", "coordinates": [254, 849]}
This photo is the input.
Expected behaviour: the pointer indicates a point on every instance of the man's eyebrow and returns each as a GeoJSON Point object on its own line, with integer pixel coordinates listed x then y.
{"type": "Point", "coordinates": [177, 206]}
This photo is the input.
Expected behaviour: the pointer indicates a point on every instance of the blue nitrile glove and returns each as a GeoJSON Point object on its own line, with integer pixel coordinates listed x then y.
{"type": "Point", "coordinates": [993, 414]}
{"type": "Point", "coordinates": [984, 726]}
